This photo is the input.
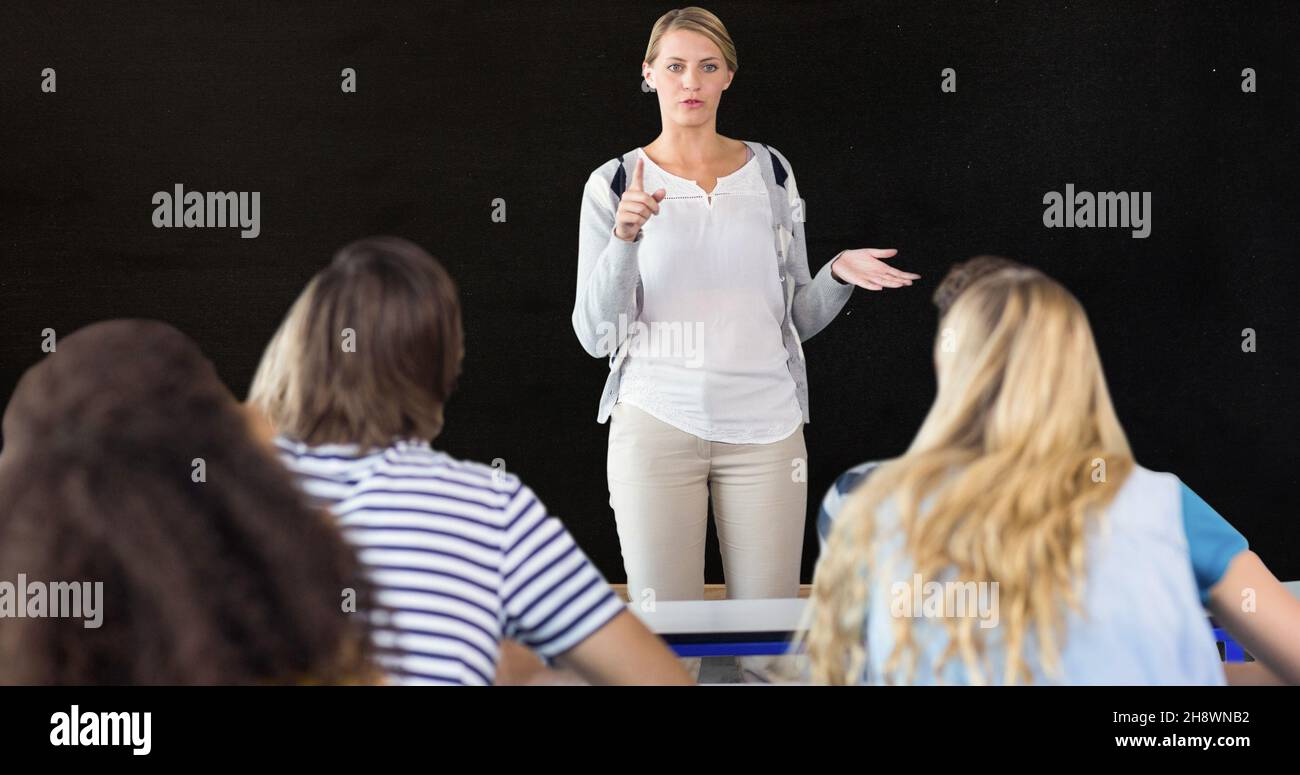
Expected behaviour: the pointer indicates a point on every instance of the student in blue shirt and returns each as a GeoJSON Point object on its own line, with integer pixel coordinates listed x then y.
{"type": "Point", "coordinates": [1230, 580]}
{"type": "Point", "coordinates": [1233, 583]}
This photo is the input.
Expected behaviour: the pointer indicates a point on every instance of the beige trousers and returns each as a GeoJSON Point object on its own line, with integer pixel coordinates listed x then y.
{"type": "Point", "coordinates": [660, 480]}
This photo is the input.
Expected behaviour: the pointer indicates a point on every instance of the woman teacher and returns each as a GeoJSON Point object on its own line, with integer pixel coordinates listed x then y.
{"type": "Point", "coordinates": [693, 279]}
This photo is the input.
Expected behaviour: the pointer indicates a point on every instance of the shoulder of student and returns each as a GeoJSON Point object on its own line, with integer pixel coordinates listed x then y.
{"type": "Point", "coordinates": [844, 484]}
{"type": "Point", "coordinates": [854, 476]}
{"type": "Point", "coordinates": [492, 484]}
{"type": "Point", "coordinates": [494, 475]}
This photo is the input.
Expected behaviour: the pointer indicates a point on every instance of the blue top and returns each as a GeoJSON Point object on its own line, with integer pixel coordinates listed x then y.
{"type": "Point", "coordinates": [1211, 541]}
{"type": "Point", "coordinates": [1141, 620]}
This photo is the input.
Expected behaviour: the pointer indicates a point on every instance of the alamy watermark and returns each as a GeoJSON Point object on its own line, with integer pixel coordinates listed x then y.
{"type": "Point", "coordinates": [53, 600]}
{"type": "Point", "coordinates": [945, 600]}
{"type": "Point", "coordinates": [92, 728]}
{"type": "Point", "coordinates": [208, 209]}
{"type": "Point", "coordinates": [1126, 209]}
{"type": "Point", "coordinates": [658, 339]}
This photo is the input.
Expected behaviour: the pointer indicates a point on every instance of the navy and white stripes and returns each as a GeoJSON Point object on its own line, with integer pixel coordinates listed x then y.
{"type": "Point", "coordinates": [461, 555]}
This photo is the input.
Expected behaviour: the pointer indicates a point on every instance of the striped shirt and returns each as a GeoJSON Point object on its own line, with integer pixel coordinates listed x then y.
{"type": "Point", "coordinates": [461, 555]}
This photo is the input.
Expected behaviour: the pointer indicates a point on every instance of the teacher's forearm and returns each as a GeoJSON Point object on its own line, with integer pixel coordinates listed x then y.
{"type": "Point", "coordinates": [818, 302]}
{"type": "Point", "coordinates": [606, 291]}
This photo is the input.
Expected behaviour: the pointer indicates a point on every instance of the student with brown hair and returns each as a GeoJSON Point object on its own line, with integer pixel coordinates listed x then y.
{"type": "Point", "coordinates": [131, 481]}
{"type": "Point", "coordinates": [462, 555]}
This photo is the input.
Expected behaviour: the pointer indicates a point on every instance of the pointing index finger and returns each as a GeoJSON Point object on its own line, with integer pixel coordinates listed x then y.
{"type": "Point", "coordinates": [636, 184]}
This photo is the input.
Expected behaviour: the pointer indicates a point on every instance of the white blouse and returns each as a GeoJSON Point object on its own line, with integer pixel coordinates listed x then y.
{"type": "Point", "coordinates": [705, 353]}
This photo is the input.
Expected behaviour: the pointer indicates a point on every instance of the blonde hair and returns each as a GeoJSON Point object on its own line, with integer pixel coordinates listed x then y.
{"type": "Point", "coordinates": [1010, 450]}
{"type": "Point", "coordinates": [698, 20]}
{"type": "Point", "coordinates": [402, 312]}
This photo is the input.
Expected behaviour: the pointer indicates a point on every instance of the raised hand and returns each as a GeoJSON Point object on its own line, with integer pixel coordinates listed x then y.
{"type": "Point", "coordinates": [636, 206]}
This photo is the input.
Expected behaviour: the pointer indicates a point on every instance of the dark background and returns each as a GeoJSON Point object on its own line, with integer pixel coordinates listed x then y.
{"type": "Point", "coordinates": [462, 102]}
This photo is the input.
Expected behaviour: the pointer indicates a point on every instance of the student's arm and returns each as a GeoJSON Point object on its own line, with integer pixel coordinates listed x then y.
{"type": "Point", "coordinates": [518, 666]}
{"type": "Point", "coordinates": [1242, 595]}
{"type": "Point", "coordinates": [621, 652]}
{"type": "Point", "coordinates": [1250, 674]}
{"type": "Point", "coordinates": [558, 604]}
{"type": "Point", "coordinates": [625, 652]}
{"type": "Point", "coordinates": [1263, 616]}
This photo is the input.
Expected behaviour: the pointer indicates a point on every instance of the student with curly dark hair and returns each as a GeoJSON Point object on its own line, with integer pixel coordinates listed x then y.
{"type": "Point", "coordinates": [129, 464]}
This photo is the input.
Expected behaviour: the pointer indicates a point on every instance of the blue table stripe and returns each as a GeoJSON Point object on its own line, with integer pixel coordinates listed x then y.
{"type": "Point", "coordinates": [767, 648]}
{"type": "Point", "coordinates": [1233, 652]}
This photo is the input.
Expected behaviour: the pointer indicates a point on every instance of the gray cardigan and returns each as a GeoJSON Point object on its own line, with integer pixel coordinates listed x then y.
{"type": "Point", "coordinates": [609, 278]}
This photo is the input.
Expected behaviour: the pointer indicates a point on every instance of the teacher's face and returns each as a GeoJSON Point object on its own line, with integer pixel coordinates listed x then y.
{"type": "Point", "coordinates": [689, 75]}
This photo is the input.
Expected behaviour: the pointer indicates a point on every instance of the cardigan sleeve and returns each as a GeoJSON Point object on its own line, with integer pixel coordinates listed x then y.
{"type": "Point", "coordinates": [608, 272]}
{"type": "Point", "coordinates": [817, 299]}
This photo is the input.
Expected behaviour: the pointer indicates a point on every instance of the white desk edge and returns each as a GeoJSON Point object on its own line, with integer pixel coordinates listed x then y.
{"type": "Point", "coordinates": [741, 616]}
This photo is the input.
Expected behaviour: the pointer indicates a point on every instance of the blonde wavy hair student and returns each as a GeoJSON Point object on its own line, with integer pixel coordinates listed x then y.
{"type": "Point", "coordinates": [1021, 477]}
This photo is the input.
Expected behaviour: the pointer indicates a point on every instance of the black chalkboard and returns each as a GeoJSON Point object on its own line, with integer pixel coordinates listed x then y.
{"type": "Point", "coordinates": [460, 103]}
